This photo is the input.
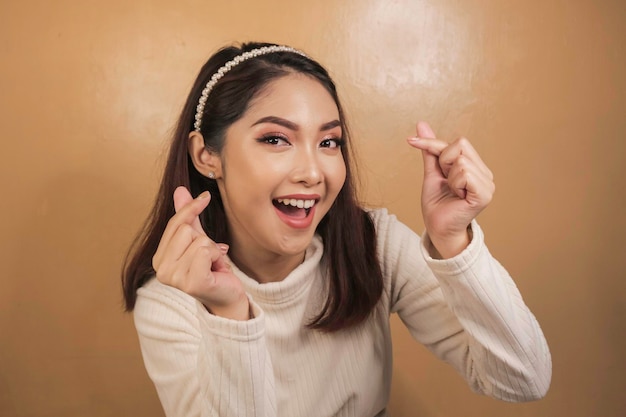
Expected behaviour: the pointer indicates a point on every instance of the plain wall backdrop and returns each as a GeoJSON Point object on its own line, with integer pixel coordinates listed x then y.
{"type": "Point", "coordinates": [90, 90]}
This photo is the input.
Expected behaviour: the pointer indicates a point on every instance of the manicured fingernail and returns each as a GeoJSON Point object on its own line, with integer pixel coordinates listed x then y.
{"type": "Point", "coordinates": [413, 139]}
{"type": "Point", "coordinates": [204, 195]}
{"type": "Point", "coordinates": [223, 247]}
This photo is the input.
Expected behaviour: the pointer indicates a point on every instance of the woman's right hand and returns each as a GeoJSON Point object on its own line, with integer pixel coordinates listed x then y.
{"type": "Point", "coordinates": [189, 260]}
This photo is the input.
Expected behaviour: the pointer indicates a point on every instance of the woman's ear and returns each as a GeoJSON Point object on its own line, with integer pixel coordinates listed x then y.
{"type": "Point", "coordinates": [207, 162]}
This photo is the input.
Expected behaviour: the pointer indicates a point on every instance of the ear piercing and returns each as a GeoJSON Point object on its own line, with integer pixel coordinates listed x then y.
{"type": "Point", "coordinates": [212, 175]}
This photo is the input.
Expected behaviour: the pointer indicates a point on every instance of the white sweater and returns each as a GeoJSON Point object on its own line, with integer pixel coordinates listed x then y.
{"type": "Point", "coordinates": [466, 310]}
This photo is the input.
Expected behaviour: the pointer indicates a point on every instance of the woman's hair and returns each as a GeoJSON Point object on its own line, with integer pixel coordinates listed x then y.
{"type": "Point", "coordinates": [355, 281]}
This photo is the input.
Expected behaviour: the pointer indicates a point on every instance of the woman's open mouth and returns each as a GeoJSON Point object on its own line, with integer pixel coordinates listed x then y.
{"type": "Point", "coordinates": [294, 208]}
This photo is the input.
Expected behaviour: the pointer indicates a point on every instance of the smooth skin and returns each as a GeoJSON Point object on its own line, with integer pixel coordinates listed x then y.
{"type": "Point", "coordinates": [457, 186]}
{"type": "Point", "coordinates": [286, 145]}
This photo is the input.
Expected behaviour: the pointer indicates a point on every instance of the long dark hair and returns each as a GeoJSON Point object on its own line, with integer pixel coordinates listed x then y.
{"type": "Point", "coordinates": [355, 281]}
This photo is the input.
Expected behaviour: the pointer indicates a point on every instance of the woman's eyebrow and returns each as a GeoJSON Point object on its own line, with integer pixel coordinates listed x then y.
{"type": "Point", "coordinates": [293, 126]}
{"type": "Point", "coordinates": [330, 125]}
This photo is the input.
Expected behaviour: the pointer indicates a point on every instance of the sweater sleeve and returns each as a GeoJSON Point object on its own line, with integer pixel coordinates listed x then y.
{"type": "Point", "coordinates": [201, 364]}
{"type": "Point", "coordinates": [467, 311]}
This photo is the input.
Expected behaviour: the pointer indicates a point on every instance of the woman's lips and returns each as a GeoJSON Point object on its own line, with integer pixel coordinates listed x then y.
{"type": "Point", "coordinates": [296, 210]}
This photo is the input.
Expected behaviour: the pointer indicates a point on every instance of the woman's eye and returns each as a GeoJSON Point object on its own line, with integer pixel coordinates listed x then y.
{"type": "Point", "coordinates": [331, 143]}
{"type": "Point", "coordinates": [274, 140]}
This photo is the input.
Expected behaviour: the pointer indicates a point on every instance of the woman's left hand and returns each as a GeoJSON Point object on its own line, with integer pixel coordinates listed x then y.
{"type": "Point", "coordinates": [457, 186]}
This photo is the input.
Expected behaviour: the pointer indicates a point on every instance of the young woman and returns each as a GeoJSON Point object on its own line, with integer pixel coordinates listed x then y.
{"type": "Point", "coordinates": [262, 288]}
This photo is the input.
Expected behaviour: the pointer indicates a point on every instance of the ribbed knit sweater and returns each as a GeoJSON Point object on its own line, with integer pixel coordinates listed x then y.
{"type": "Point", "coordinates": [466, 310]}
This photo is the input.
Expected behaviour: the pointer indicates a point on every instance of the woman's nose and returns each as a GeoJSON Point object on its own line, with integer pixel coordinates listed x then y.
{"type": "Point", "coordinates": [307, 169]}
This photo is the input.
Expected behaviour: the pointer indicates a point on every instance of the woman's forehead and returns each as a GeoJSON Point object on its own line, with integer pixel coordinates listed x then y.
{"type": "Point", "coordinates": [293, 94]}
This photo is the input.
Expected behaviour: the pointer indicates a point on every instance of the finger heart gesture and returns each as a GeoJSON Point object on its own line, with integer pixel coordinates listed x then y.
{"type": "Point", "coordinates": [457, 187]}
{"type": "Point", "coordinates": [189, 260]}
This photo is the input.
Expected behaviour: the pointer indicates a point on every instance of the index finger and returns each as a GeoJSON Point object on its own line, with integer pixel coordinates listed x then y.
{"type": "Point", "coordinates": [462, 146]}
{"type": "Point", "coordinates": [431, 145]}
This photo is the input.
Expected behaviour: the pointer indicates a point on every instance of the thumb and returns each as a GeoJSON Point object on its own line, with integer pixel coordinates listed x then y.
{"type": "Point", "coordinates": [182, 197]}
{"type": "Point", "coordinates": [184, 201]}
{"type": "Point", "coordinates": [425, 131]}
{"type": "Point", "coordinates": [429, 147]}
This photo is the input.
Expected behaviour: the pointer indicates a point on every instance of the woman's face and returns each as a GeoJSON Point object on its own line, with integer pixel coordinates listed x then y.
{"type": "Point", "coordinates": [282, 168]}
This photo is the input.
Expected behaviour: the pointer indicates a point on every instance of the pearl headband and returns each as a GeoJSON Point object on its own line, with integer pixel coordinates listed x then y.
{"type": "Point", "coordinates": [227, 67]}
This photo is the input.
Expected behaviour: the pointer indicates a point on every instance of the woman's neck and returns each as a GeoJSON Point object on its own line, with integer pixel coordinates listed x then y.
{"type": "Point", "coordinates": [265, 267]}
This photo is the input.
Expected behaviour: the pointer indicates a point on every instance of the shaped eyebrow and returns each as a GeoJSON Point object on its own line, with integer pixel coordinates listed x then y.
{"type": "Point", "coordinates": [293, 126]}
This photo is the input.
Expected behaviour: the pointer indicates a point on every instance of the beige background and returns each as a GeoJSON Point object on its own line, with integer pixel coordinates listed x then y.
{"type": "Point", "coordinates": [90, 90]}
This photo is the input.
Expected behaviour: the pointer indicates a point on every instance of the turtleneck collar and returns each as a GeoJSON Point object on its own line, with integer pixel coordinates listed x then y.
{"type": "Point", "coordinates": [292, 285]}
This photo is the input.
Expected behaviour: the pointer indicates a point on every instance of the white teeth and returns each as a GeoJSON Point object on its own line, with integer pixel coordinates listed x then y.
{"type": "Point", "coordinates": [306, 204]}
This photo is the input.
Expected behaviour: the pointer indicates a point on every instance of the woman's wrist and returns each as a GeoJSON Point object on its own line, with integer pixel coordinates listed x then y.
{"type": "Point", "coordinates": [241, 311]}
{"type": "Point", "coordinates": [450, 246]}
